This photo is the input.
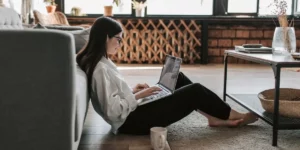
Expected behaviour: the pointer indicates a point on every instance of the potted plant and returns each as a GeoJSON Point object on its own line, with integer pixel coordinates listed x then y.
{"type": "Point", "coordinates": [108, 8]}
{"type": "Point", "coordinates": [51, 6]}
{"type": "Point", "coordinates": [76, 11]}
{"type": "Point", "coordinates": [139, 7]}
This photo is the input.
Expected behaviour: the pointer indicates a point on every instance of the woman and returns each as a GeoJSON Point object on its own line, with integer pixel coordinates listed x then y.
{"type": "Point", "coordinates": [116, 102]}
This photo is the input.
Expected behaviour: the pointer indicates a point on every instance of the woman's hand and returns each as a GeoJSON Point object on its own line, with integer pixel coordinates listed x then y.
{"type": "Point", "coordinates": [140, 87]}
{"type": "Point", "coordinates": [147, 92]}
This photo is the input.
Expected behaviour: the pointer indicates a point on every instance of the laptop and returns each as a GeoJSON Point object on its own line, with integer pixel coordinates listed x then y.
{"type": "Point", "coordinates": [167, 80]}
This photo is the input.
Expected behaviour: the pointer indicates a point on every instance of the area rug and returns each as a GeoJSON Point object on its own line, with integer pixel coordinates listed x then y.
{"type": "Point", "coordinates": [192, 133]}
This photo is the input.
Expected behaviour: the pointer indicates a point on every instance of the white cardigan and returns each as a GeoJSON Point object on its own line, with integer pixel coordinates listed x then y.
{"type": "Point", "coordinates": [111, 96]}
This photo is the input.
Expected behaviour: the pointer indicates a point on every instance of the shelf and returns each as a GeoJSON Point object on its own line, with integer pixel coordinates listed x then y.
{"type": "Point", "coordinates": [252, 103]}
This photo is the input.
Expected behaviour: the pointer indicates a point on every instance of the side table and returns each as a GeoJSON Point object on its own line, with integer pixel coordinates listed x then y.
{"type": "Point", "coordinates": [251, 101]}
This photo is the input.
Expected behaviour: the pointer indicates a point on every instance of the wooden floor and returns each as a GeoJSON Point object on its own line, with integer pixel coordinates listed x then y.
{"type": "Point", "coordinates": [241, 79]}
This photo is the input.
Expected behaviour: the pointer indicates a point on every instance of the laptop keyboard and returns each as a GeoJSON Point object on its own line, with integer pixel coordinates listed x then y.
{"type": "Point", "coordinates": [160, 94]}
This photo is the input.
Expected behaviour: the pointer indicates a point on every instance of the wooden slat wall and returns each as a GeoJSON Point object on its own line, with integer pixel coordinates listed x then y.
{"type": "Point", "coordinates": [149, 40]}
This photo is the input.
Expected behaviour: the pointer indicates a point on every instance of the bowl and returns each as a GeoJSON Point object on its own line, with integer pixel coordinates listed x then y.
{"type": "Point", "coordinates": [289, 101]}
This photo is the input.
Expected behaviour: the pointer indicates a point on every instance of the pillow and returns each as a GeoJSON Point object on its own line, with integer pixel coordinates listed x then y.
{"type": "Point", "coordinates": [81, 38]}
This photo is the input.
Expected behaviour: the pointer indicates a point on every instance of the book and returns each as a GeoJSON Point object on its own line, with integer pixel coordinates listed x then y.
{"type": "Point", "coordinates": [262, 49]}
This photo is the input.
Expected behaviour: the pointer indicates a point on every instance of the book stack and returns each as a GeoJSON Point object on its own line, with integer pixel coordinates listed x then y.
{"type": "Point", "coordinates": [254, 48]}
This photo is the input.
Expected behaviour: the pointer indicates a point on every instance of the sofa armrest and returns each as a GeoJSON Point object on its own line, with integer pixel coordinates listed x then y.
{"type": "Point", "coordinates": [37, 100]}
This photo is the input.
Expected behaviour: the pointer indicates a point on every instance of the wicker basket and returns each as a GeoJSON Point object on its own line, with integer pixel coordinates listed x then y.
{"type": "Point", "coordinates": [289, 101]}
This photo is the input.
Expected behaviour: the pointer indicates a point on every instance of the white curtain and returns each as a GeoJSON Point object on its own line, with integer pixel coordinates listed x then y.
{"type": "Point", "coordinates": [26, 10]}
{"type": "Point", "coordinates": [28, 6]}
{"type": "Point", "coordinates": [1, 3]}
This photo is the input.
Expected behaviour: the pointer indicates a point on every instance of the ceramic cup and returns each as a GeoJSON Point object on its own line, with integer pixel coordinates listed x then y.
{"type": "Point", "coordinates": [158, 136]}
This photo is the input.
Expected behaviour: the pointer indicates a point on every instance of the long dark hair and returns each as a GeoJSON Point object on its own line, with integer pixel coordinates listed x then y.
{"type": "Point", "coordinates": [92, 53]}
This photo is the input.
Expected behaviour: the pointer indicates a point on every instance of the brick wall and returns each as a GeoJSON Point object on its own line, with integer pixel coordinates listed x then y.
{"type": "Point", "coordinates": [225, 37]}
{"type": "Point", "coordinates": [225, 33]}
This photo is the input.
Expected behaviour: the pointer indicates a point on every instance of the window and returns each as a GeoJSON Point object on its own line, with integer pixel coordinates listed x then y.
{"type": "Point", "coordinates": [97, 6]}
{"type": "Point", "coordinates": [265, 7]}
{"type": "Point", "coordinates": [242, 6]}
{"type": "Point", "coordinates": [298, 6]}
{"type": "Point", "coordinates": [40, 6]}
{"type": "Point", "coordinates": [176, 7]}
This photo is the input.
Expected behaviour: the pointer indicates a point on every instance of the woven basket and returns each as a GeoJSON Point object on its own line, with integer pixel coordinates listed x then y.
{"type": "Point", "coordinates": [289, 101]}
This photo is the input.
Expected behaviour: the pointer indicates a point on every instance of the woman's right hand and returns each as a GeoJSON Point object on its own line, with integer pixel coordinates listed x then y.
{"type": "Point", "coordinates": [147, 92]}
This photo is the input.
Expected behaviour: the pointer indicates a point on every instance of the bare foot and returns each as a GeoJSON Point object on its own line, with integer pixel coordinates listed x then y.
{"type": "Point", "coordinates": [248, 119]}
{"type": "Point", "coordinates": [225, 123]}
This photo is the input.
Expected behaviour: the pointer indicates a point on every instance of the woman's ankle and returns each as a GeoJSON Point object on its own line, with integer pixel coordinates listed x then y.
{"type": "Point", "coordinates": [235, 115]}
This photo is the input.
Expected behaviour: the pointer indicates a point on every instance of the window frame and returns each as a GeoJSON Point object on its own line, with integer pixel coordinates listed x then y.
{"type": "Point", "coordinates": [220, 9]}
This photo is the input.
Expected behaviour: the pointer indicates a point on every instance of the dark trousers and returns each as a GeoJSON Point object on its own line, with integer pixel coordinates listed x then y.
{"type": "Point", "coordinates": [187, 97]}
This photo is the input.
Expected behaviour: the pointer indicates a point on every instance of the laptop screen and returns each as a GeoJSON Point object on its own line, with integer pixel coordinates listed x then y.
{"type": "Point", "coordinates": [170, 71]}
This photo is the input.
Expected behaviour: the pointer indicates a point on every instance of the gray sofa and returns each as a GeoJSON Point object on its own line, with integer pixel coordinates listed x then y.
{"type": "Point", "coordinates": [43, 94]}
{"type": "Point", "coordinates": [43, 98]}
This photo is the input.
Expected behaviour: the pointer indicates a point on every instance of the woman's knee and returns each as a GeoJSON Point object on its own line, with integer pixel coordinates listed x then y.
{"type": "Point", "coordinates": [182, 75]}
{"type": "Point", "coordinates": [197, 89]}
{"type": "Point", "coordinates": [196, 86]}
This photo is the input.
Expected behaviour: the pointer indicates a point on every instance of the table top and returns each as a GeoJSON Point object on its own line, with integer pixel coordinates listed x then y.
{"type": "Point", "coordinates": [285, 61]}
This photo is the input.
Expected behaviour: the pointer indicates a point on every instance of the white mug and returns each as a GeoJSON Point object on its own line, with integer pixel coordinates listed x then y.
{"type": "Point", "coordinates": [158, 138]}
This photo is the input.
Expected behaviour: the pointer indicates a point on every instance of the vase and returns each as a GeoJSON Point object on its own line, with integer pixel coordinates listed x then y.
{"type": "Point", "coordinates": [139, 12]}
{"type": "Point", "coordinates": [284, 41]}
{"type": "Point", "coordinates": [108, 11]}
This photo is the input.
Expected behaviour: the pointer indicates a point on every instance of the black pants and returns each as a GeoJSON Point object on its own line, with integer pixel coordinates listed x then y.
{"type": "Point", "coordinates": [187, 97]}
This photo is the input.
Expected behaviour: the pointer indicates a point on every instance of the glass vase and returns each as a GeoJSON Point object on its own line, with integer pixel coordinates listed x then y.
{"type": "Point", "coordinates": [284, 41]}
{"type": "Point", "coordinates": [139, 12]}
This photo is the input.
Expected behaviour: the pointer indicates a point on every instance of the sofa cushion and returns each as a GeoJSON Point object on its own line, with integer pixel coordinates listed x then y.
{"type": "Point", "coordinates": [81, 36]}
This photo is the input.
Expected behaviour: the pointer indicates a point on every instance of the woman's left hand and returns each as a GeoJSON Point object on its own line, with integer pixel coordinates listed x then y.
{"type": "Point", "coordinates": [140, 87]}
